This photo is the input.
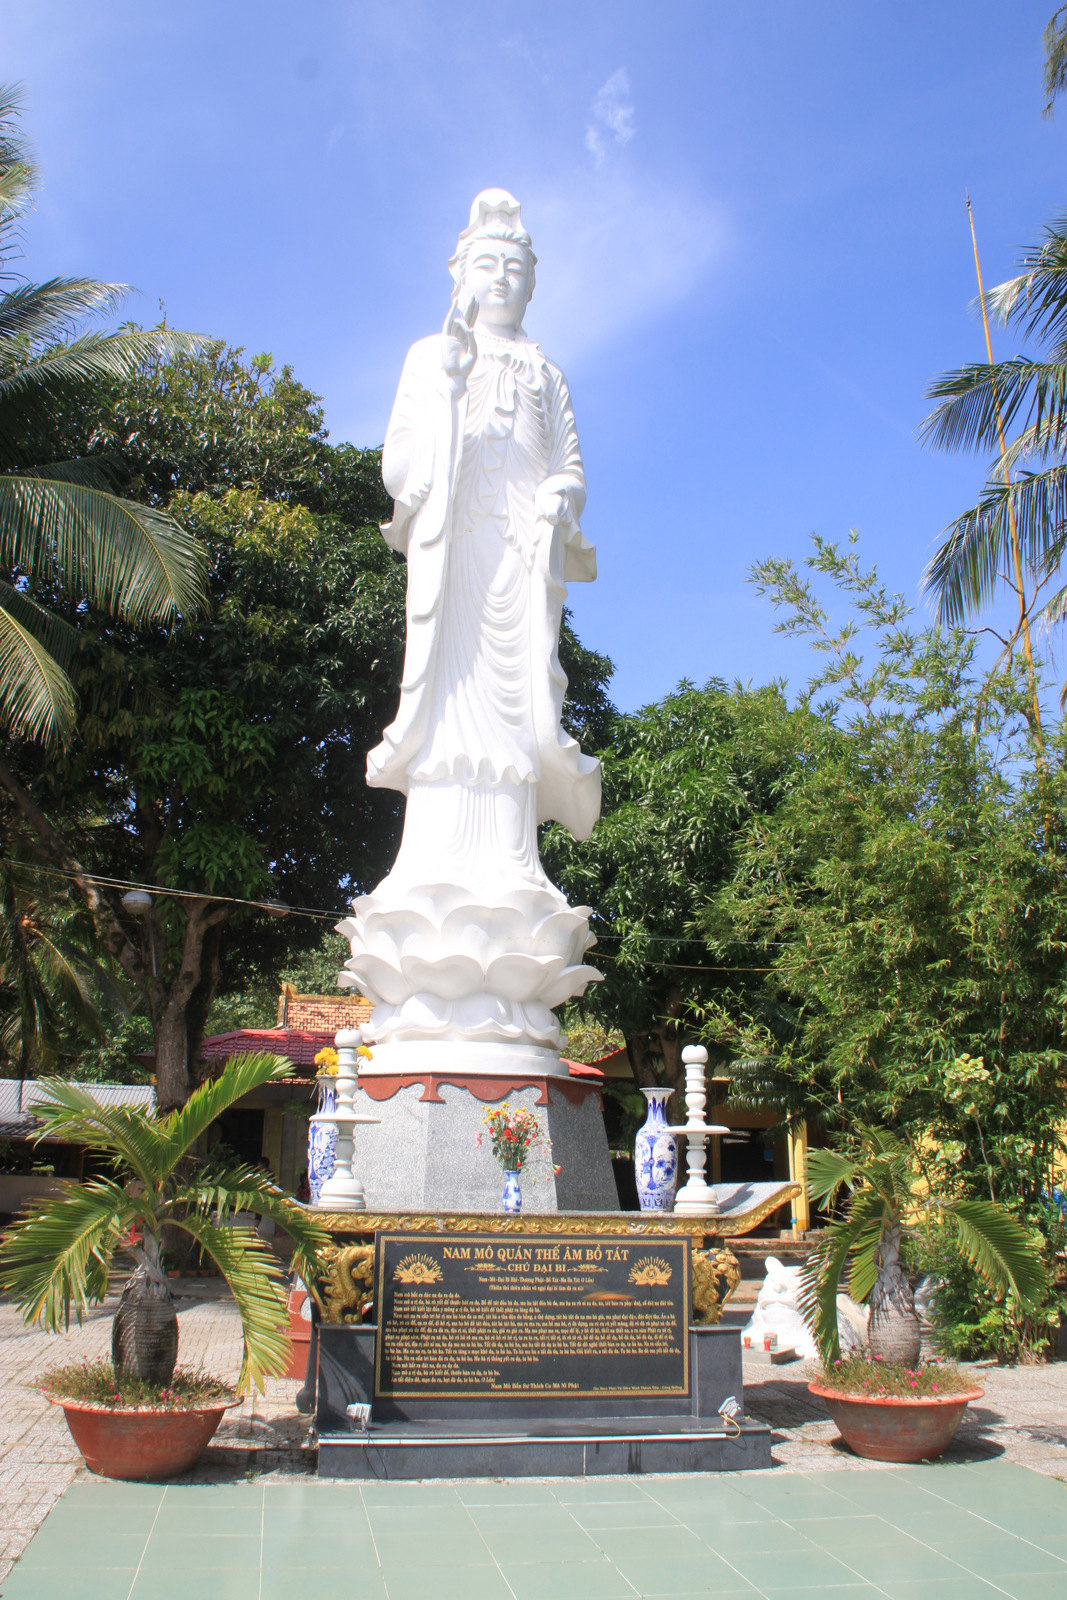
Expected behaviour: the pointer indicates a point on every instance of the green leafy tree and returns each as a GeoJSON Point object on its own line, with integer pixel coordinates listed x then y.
{"type": "Point", "coordinates": [227, 765]}
{"type": "Point", "coordinates": [908, 896]}
{"type": "Point", "coordinates": [681, 780]}
{"type": "Point", "coordinates": [63, 528]}
{"type": "Point", "coordinates": [59, 1256]}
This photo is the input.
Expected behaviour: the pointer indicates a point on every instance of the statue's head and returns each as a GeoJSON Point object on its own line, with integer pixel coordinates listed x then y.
{"type": "Point", "coordinates": [494, 262]}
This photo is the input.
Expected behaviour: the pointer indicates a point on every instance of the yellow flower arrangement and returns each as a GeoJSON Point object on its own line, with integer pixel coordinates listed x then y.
{"type": "Point", "coordinates": [326, 1060]}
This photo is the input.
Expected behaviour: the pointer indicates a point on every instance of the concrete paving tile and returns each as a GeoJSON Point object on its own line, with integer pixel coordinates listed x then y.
{"type": "Point", "coordinates": [458, 1583]}
{"type": "Point", "coordinates": [620, 1543]}
{"type": "Point", "coordinates": [304, 1583]}
{"type": "Point", "coordinates": [535, 1546]}
{"type": "Point", "coordinates": [103, 1583]}
{"type": "Point", "coordinates": [847, 1591]}
{"type": "Point", "coordinates": [83, 1551]}
{"type": "Point", "coordinates": [168, 1554]}
{"type": "Point", "coordinates": [623, 1514]}
{"type": "Point", "coordinates": [841, 1533]}
{"type": "Point", "coordinates": [968, 1588]}
{"type": "Point", "coordinates": [660, 1572]}
{"type": "Point", "coordinates": [410, 1549]}
{"type": "Point", "coordinates": [988, 1558]}
{"type": "Point", "coordinates": [301, 1546]}
{"type": "Point", "coordinates": [1037, 1586]}
{"type": "Point", "coordinates": [813, 1568]}
{"type": "Point", "coordinates": [218, 1584]}
{"type": "Point", "coordinates": [586, 1581]}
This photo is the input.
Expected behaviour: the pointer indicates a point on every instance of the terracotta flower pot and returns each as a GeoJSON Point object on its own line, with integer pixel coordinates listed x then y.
{"type": "Point", "coordinates": [140, 1444]}
{"type": "Point", "coordinates": [893, 1428]}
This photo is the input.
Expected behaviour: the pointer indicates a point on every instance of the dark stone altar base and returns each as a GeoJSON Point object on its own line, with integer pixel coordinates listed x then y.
{"type": "Point", "coordinates": [542, 1437]}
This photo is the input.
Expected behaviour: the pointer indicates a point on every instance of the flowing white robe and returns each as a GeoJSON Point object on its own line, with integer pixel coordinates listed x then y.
{"type": "Point", "coordinates": [482, 692]}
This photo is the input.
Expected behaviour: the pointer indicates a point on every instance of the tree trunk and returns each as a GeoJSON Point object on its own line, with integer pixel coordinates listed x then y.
{"type": "Point", "coordinates": [893, 1330]}
{"type": "Point", "coordinates": [144, 1334]}
{"type": "Point", "coordinates": [178, 1021]}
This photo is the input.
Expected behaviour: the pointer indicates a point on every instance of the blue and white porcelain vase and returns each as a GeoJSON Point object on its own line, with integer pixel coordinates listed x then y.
{"type": "Point", "coordinates": [656, 1155]}
{"type": "Point", "coordinates": [512, 1192]}
{"type": "Point", "coordinates": [322, 1139]}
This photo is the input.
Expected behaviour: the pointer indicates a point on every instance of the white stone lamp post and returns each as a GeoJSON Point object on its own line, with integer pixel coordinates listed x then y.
{"type": "Point", "coordinates": [696, 1198]}
{"type": "Point", "coordinates": [343, 1190]}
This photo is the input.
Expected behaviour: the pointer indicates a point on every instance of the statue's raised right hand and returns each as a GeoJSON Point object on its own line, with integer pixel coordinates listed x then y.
{"type": "Point", "coordinates": [459, 351]}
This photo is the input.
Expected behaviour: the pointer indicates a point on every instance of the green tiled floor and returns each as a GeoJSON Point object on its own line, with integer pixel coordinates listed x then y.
{"type": "Point", "coordinates": [917, 1533]}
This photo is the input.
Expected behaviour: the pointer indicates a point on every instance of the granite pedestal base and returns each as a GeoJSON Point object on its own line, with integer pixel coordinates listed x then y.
{"type": "Point", "coordinates": [423, 1154]}
{"type": "Point", "coordinates": [513, 1437]}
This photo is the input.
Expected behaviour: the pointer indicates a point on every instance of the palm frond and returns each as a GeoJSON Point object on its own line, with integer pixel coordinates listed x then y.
{"type": "Point", "coordinates": [36, 697]}
{"type": "Point", "coordinates": [1035, 300]}
{"type": "Point", "coordinates": [37, 313]}
{"type": "Point", "coordinates": [123, 557]}
{"type": "Point", "coordinates": [863, 1266]}
{"type": "Point", "coordinates": [96, 472]}
{"type": "Point", "coordinates": [216, 1190]}
{"type": "Point", "coordinates": [58, 1255]}
{"type": "Point", "coordinates": [998, 1247]}
{"type": "Point", "coordinates": [827, 1172]}
{"type": "Point", "coordinates": [240, 1075]}
{"type": "Point", "coordinates": [964, 573]}
{"type": "Point", "coordinates": [977, 399]}
{"type": "Point", "coordinates": [90, 357]}
{"type": "Point", "coordinates": [57, 635]}
{"type": "Point", "coordinates": [72, 1113]}
{"type": "Point", "coordinates": [18, 170]}
{"type": "Point", "coordinates": [820, 1283]}
{"type": "Point", "coordinates": [258, 1287]}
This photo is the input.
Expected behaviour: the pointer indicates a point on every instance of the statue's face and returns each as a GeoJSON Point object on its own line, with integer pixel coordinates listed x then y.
{"type": "Point", "coordinates": [498, 276]}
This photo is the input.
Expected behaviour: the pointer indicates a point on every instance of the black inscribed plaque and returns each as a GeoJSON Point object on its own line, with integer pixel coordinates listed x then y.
{"type": "Point", "coordinates": [464, 1315]}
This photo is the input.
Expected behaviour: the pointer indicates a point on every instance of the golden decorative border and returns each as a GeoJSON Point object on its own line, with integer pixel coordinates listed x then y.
{"type": "Point", "coordinates": [364, 1224]}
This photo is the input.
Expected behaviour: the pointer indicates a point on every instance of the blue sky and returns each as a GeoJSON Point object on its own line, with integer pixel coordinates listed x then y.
{"type": "Point", "coordinates": [749, 218]}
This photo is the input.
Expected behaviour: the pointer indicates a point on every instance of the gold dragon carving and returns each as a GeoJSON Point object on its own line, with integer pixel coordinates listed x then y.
{"type": "Point", "coordinates": [716, 1274]}
{"type": "Point", "coordinates": [347, 1282]}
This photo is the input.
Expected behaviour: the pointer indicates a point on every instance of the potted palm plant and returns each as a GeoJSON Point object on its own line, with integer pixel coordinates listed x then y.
{"type": "Point", "coordinates": [139, 1418]}
{"type": "Point", "coordinates": [886, 1403]}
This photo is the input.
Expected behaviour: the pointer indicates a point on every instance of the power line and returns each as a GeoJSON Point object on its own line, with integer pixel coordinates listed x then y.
{"type": "Point", "coordinates": [277, 908]}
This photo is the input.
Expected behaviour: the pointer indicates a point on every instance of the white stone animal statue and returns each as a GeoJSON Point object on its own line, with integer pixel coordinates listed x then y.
{"type": "Point", "coordinates": [466, 946]}
{"type": "Point", "coordinates": [778, 1311]}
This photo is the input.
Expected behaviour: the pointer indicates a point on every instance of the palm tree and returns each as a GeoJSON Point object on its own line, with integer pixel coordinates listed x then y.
{"type": "Point", "coordinates": [884, 1206]}
{"type": "Point", "coordinates": [60, 1254]}
{"type": "Point", "coordinates": [52, 980]}
{"type": "Point", "coordinates": [64, 526]}
{"type": "Point", "coordinates": [1015, 410]}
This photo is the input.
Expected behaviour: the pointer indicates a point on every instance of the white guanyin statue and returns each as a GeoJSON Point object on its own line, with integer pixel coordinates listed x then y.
{"type": "Point", "coordinates": [467, 943]}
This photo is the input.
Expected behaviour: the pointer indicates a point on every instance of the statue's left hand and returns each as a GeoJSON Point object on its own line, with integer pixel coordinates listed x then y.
{"type": "Point", "coordinates": [552, 504]}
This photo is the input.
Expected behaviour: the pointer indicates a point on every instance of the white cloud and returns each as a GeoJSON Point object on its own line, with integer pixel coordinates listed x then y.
{"type": "Point", "coordinates": [612, 115]}
{"type": "Point", "coordinates": [616, 250]}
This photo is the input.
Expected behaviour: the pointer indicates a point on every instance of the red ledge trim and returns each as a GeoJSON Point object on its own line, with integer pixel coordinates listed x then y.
{"type": "Point", "coordinates": [383, 1086]}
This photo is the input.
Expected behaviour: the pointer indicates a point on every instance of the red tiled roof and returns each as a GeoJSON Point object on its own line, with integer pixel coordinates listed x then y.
{"type": "Point", "coordinates": [298, 1045]}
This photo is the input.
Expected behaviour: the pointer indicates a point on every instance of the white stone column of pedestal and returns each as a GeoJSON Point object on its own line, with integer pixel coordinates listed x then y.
{"type": "Point", "coordinates": [343, 1189]}
{"type": "Point", "coordinates": [696, 1198]}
